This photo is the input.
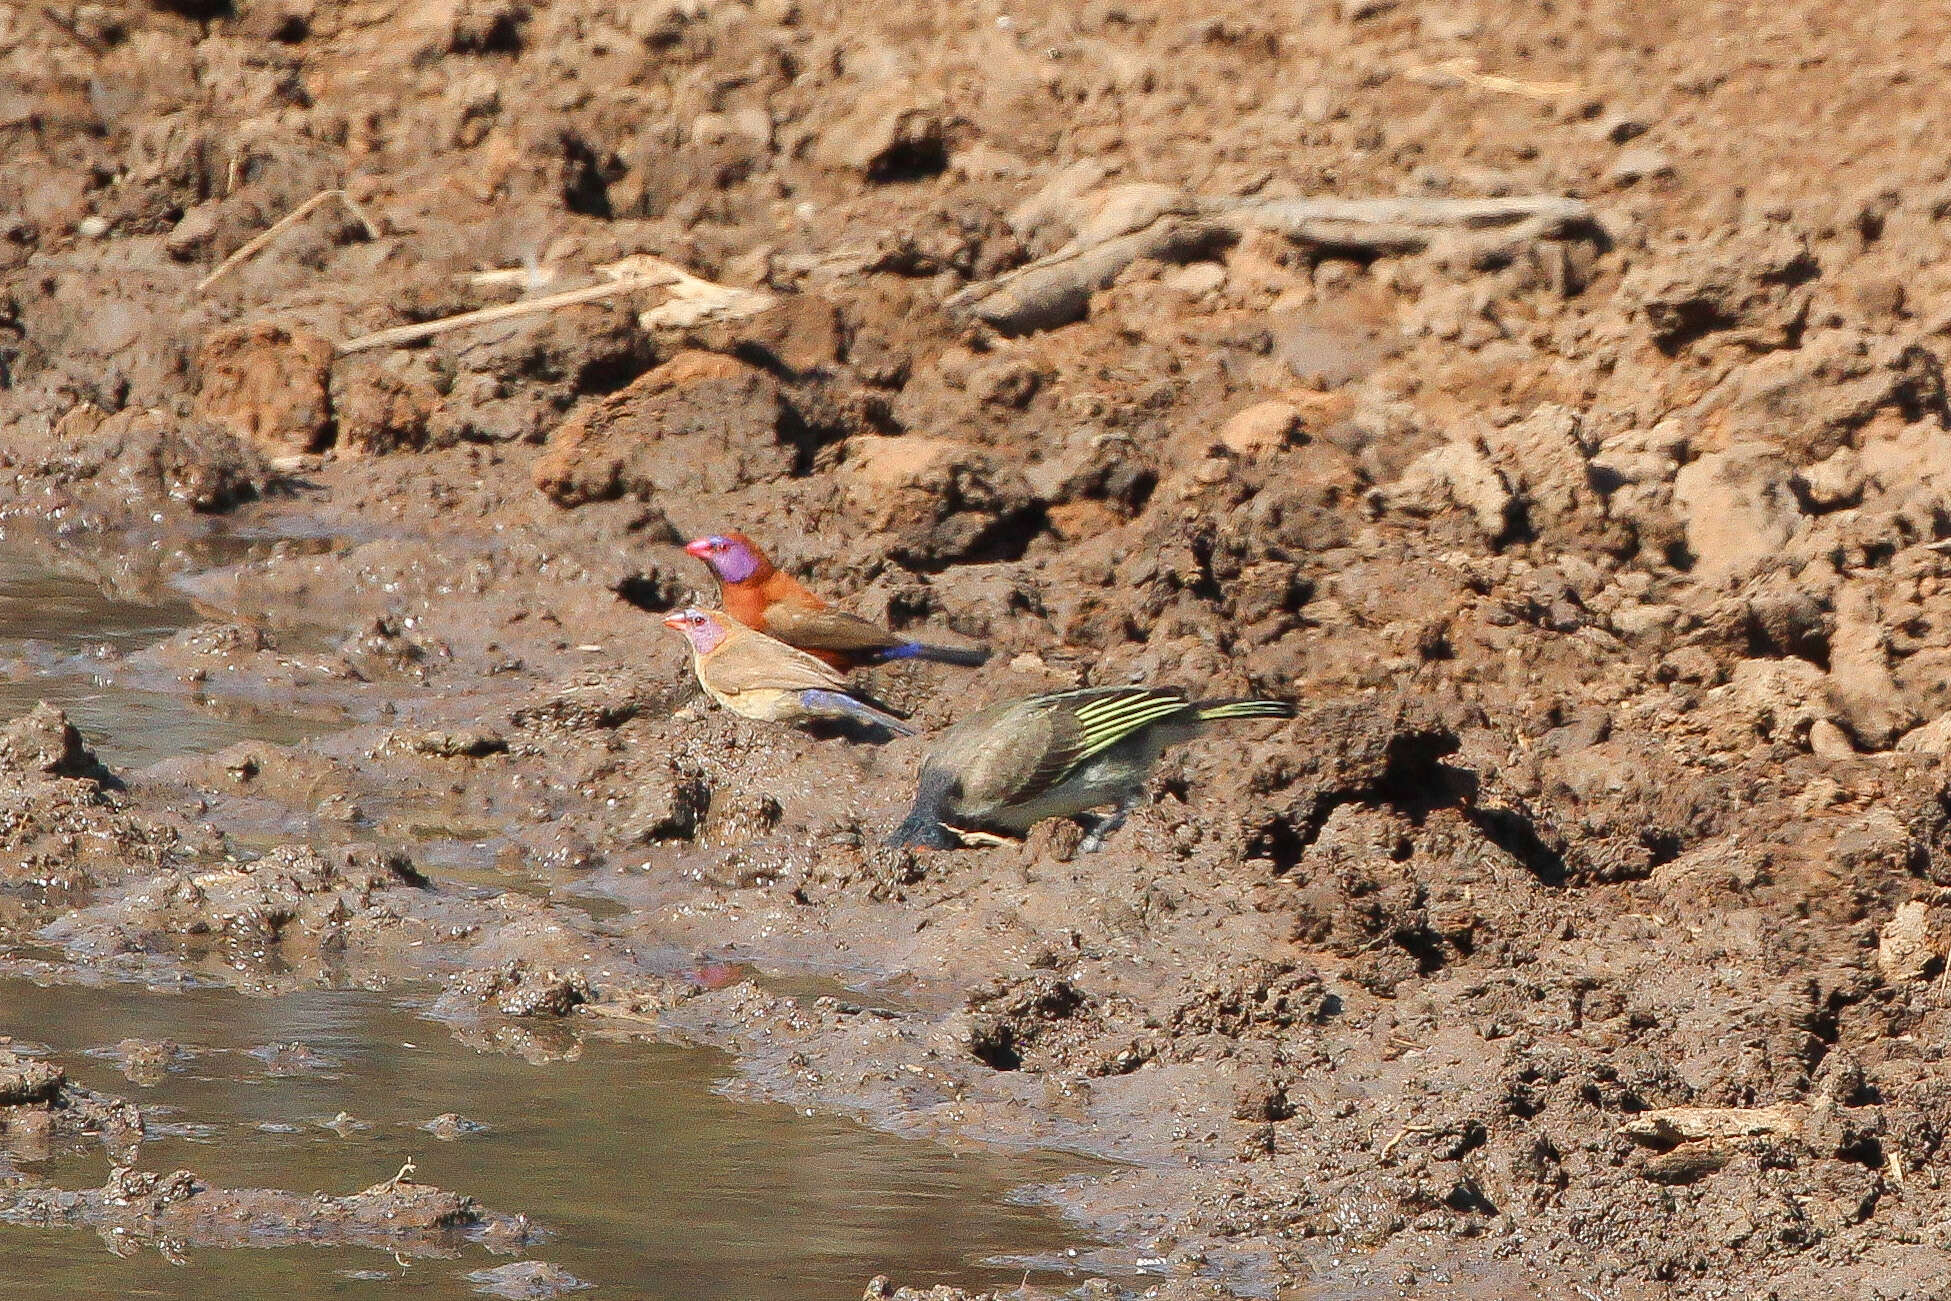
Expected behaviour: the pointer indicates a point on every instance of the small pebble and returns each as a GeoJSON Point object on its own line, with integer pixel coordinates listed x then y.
{"type": "Point", "coordinates": [449, 1125]}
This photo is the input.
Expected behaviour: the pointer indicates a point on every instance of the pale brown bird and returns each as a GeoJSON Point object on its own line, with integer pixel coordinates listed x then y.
{"type": "Point", "coordinates": [756, 676]}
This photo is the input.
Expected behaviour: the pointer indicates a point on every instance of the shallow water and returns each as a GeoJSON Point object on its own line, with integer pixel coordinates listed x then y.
{"type": "Point", "coordinates": [649, 1182]}
{"type": "Point", "coordinates": [61, 637]}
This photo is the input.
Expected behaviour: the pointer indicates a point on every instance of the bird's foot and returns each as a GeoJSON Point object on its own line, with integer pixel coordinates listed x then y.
{"type": "Point", "coordinates": [1099, 829]}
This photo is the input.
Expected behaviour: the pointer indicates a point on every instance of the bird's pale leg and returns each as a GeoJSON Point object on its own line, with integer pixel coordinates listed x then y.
{"type": "Point", "coordinates": [1101, 829]}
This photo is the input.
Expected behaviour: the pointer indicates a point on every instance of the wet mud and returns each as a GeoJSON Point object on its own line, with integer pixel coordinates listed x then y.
{"type": "Point", "coordinates": [1587, 492]}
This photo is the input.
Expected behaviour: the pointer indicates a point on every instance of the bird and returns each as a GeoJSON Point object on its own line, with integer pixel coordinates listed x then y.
{"type": "Point", "coordinates": [1003, 769]}
{"type": "Point", "coordinates": [756, 676]}
{"type": "Point", "coordinates": [759, 596]}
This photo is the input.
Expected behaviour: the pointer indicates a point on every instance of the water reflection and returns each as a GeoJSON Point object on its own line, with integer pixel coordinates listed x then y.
{"type": "Point", "coordinates": [651, 1183]}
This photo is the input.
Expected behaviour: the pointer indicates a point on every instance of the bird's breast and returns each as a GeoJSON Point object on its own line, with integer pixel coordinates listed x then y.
{"type": "Point", "coordinates": [745, 604]}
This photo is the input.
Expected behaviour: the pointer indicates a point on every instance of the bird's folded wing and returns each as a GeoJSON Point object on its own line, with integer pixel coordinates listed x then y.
{"type": "Point", "coordinates": [1075, 726]}
{"type": "Point", "coordinates": [1022, 756]}
{"type": "Point", "coordinates": [754, 662]}
{"type": "Point", "coordinates": [1114, 716]}
{"type": "Point", "coordinates": [827, 629]}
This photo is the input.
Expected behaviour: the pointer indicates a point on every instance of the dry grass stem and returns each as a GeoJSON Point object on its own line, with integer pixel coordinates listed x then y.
{"type": "Point", "coordinates": [252, 247]}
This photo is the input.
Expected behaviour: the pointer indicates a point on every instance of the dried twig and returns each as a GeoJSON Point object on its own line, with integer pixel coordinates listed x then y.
{"type": "Point", "coordinates": [1056, 289]}
{"type": "Point", "coordinates": [1404, 225]}
{"type": "Point", "coordinates": [1464, 71]}
{"type": "Point", "coordinates": [400, 334]}
{"type": "Point", "coordinates": [978, 839]}
{"type": "Point", "coordinates": [1406, 1131]}
{"type": "Point", "coordinates": [511, 277]}
{"type": "Point", "coordinates": [284, 223]}
{"type": "Point", "coordinates": [393, 1185]}
{"type": "Point", "coordinates": [692, 300]}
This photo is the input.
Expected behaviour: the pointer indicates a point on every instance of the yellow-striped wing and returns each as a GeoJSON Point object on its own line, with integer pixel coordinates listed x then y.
{"type": "Point", "coordinates": [1086, 722]}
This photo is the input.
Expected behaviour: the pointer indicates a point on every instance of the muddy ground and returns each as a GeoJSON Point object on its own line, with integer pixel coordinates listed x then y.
{"type": "Point", "coordinates": [1587, 930]}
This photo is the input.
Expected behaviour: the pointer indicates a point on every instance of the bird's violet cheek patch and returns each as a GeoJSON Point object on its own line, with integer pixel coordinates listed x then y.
{"type": "Point", "coordinates": [735, 563]}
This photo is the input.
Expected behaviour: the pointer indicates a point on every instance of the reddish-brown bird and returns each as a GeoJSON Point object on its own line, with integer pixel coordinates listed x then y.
{"type": "Point", "coordinates": [760, 597]}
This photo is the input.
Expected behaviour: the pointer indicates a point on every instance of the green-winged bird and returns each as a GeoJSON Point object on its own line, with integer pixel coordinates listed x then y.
{"type": "Point", "coordinates": [1006, 768]}
{"type": "Point", "coordinates": [756, 676]}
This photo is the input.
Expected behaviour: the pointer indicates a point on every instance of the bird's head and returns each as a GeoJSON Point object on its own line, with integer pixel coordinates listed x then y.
{"type": "Point", "coordinates": [734, 557]}
{"type": "Point", "coordinates": [704, 628]}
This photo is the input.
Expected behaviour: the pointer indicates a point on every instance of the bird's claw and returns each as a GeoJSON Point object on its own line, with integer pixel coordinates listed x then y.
{"type": "Point", "coordinates": [1099, 829]}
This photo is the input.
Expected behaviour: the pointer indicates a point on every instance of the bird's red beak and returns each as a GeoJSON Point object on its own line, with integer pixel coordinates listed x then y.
{"type": "Point", "coordinates": [675, 619]}
{"type": "Point", "coordinates": [698, 547]}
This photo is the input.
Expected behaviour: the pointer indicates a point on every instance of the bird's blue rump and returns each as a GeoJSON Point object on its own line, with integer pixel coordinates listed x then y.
{"type": "Point", "coordinates": [839, 704]}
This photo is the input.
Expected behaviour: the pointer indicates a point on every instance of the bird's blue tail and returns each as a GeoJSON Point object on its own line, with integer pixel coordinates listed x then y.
{"type": "Point", "coordinates": [838, 704]}
{"type": "Point", "coordinates": [967, 656]}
